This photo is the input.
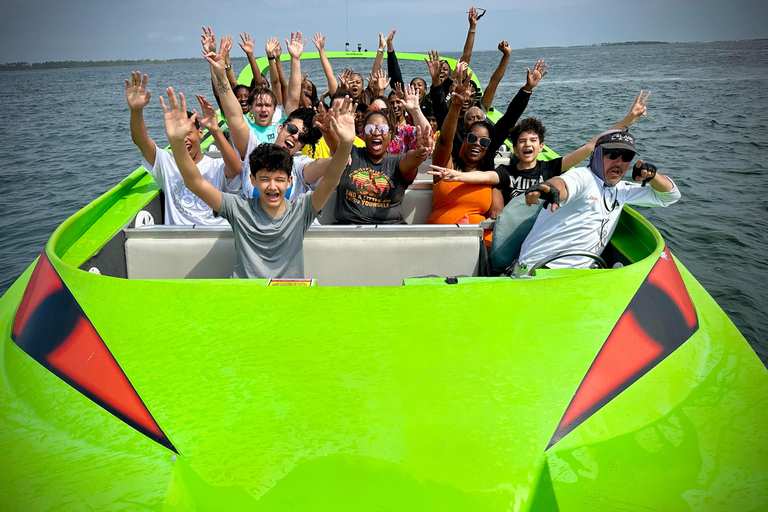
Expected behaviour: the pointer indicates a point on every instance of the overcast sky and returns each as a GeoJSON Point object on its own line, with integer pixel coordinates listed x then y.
{"type": "Point", "coordinates": [51, 30]}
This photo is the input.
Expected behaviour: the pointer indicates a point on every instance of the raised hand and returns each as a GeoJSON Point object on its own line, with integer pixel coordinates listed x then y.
{"type": "Point", "coordinates": [209, 120]}
{"type": "Point", "coordinates": [390, 38]}
{"type": "Point", "coordinates": [473, 17]}
{"type": "Point", "coordinates": [462, 90]}
{"type": "Point", "coordinates": [136, 93]}
{"type": "Point", "coordinates": [411, 97]}
{"type": "Point", "coordinates": [532, 78]}
{"type": "Point", "coordinates": [425, 142]}
{"type": "Point", "coordinates": [295, 45]}
{"type": "Point", "coordinates": [505, 49]}
{"type": "Point", "coordinates": [271, 46]}
{"type": "Point", "coordinates": [246, 43]}
{"type": "Point", "coordinates": [322, 120]}
{"type": "Point", "coordinates": [433, 63]}
{"type": "Point", "coordinates": [637, 110]}
{"type": "Point", "coordinates": [382, 40]}
{"type": "Point", "coordinates": [319, 41]}
{"type": "Point", "coordinates": [208, 40]}
{"type": "Point", "coordinates": [398, 88]}
{"type": "Point", "coordinates": [177, 124]}
{"type": "Point", "coordinates": [459, 70]}
{"type": "Point", "coordinates": [378, 81]}
{"type": "Point", "coordinates": [342, 120]}
{"type": "Point", "coordinates": [344, 77]}
{"type": "Point", "coordinates": [218, 60]}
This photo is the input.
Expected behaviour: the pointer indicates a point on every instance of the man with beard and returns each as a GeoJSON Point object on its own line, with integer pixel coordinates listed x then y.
{"type": "Point", "coordinates": [585, 203]}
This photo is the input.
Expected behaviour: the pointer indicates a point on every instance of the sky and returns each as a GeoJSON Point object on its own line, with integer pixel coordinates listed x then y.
{"type": "Point", "coordinates": [55, 30]}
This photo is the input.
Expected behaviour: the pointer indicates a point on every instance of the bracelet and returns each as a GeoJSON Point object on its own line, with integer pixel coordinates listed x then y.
{"type": "Point", "coordinates": [471, 31]}
{"type": "Point", "coordinates": [382, 49]}
{"type": "Point", "coordinates": [270, 58]}
{"type": "Point", "coordinates": [228, 66]}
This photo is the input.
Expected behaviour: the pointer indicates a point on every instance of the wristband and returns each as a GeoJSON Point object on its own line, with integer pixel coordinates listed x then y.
{"type": "Point", "coordinates": [382, 49]}
{"type": "Point", "coordinates": [228, 66]}
{"type": "Point", "coordinates": [270, 58]}
{"type": "Point", "coordinates": [471, 31]}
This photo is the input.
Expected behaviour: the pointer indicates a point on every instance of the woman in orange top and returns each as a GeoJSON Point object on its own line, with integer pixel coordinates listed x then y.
{"type": "Point", "coordinates": [463, 203]}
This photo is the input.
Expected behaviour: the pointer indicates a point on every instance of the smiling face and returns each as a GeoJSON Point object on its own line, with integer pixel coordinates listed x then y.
{"type": "Point", "coordinates": [306, 88]}
{"type": "Point", "coordinates": [287, 140]}
{"type": "Point", "coordinates": [473, 153]}
{"type": "Point", "coordinates": [263, 108]}
{"type": "Point", "coordinates": [376, 143]}
{"type": "Point", "coordinates": [473, 115]}
{"type": "Point", "coordinates": [527, 148]}
{"type": "Point", "coordinates": [356, 86]}
{"type": "Point", "coordinates": [420, 86]}
{"type": "Point", "coordinates": [397, 106]}
{"type": "Point", "coordinates": [242, 94]}
{"type": "Point", "coordinates": [272, 186]}
{"type": "Point", "coordinates": [614, 169]}
{"type": "Point", "coordinates": [192, 143]}
{"type": "Point", "coordinates": [445, 69]}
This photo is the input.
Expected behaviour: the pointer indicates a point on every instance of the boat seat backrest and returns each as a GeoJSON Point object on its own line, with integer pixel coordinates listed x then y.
{"type": "Point", "coordinates": [334, 255]}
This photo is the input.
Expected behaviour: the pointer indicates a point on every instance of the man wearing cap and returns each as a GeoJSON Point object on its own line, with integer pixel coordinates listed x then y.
{"type": "Point", "coordinates": [585, 203]}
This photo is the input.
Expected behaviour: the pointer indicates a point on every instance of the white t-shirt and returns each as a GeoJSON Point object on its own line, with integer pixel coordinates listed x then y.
{"type": "Point", "coordinates": [586, 220]}
{"type": "Point", "coordinates": [299, 185]}
{"type": "Point", "coordinates": [182, 207]}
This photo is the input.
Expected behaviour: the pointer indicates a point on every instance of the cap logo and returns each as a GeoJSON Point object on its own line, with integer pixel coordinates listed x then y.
{"type": "Point", "coordinates": [622, 136]}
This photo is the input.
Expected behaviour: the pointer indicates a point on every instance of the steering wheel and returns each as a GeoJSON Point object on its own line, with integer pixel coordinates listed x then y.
{"type": "Point", "coordinates": [564, 254]}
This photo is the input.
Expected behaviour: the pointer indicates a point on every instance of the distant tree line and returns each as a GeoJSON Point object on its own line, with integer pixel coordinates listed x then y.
{"type": "Point", "coordinates": [24, 66]}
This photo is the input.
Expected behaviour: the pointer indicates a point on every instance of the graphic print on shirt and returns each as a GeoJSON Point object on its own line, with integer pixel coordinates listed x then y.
{"type": "Point", "coordinates": [519, 184]}
{"type": "Point", "coordinates": [369, 188]}
{"type": "Point", "coordinates": [188, 204]}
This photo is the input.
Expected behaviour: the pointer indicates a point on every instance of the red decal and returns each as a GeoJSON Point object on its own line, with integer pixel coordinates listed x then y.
{"type": "Point", "coordinates": [44, 282]}
{"type": "Point", "coordinates": [85, 360]}
{"type": "Point", "coordinates": [666, 276]}
{"type": "Point", "coordinates": [625, 353]}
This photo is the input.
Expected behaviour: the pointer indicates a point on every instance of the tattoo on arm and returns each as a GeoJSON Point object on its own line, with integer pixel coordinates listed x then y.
{"type": "Point", "coordinates": [223, 86]}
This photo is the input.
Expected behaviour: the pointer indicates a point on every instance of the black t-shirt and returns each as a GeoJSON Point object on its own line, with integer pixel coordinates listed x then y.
{"type": "Point", "coordinates": [513, 182]}
{"type": "Point", "coordinates": [370, 193]}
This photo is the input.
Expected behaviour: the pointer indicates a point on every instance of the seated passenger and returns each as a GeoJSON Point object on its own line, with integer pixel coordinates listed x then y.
{"type": "Point", "coordinates": [182, 207]}
{"type": "Point", "coordinates": [586, 202]}
{"type": "Point", "coordinates": [373, 185]}
{"type": "Point", "coordinates": [321, 149]}
{"type": "Point", "coordinates": [404, 136]}
{"type": "Point", "coordinates": [454, 202]}
{"type": "Point", "coordinates": [269, 231]}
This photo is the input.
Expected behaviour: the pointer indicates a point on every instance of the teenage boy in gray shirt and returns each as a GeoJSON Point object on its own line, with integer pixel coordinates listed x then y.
{"type": "Point", "coordinates": [269, 231]}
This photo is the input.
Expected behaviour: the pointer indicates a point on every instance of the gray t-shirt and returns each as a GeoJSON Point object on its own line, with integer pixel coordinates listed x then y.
{"type": "Point", "coordinates": [267, 247]}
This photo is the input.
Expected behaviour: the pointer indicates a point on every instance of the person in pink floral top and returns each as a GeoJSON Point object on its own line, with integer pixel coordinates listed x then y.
{"type": "Point", "coordinates": [402, 101]}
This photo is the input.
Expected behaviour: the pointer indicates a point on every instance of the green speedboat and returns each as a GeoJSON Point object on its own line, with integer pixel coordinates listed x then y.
{"type": "Point", "coordinates": [136, 376]}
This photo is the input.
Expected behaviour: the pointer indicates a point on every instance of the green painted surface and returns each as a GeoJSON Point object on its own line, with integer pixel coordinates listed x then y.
{"type": "Point", "coordinates": [421, 397]}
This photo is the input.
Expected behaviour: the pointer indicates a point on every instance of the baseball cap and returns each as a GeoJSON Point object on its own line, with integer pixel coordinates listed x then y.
{"type": "Point", "coordinates": [617, 139]}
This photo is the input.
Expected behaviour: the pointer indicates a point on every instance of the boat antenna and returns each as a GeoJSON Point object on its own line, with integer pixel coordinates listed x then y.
{"type": "Point", "coordinates": [346, 9]}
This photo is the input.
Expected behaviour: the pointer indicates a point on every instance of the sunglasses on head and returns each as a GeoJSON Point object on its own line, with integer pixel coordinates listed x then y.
{"type": "Point", "coordinates": [473, 138]}
{"type": "Point", "coordinates": [613, 154]}
{"type": "Point", "coordinates": [370, 128]}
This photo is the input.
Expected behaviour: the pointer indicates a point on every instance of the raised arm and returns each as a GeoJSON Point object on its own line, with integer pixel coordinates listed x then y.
{"type": "Point", "coordinates": [208, 40]}
{"type": "Point", "coordinates": [439, 89]}
{"type": "Point", "coordinates": [411, 98]}
{"type": "Point", "coordinates": [210, 121]}
{"type": "Point", "coordinates": [444, 144]}
{"type": "Point", "coordinates": [493, 83]}
{"type": "Point", "coordinates": [177, 126]}
{"type": "Point", "coordinates": [636, 111]}
{"type": "Point", "coordinates": [473, 18]}
{"type": "Point", "coordinates": [393, 67]}
{"type": "Point", "coordinates": [378, 83]}
{"type": "Point", "coordinates": [517, 106]}
{"type": "Point", "coordinates": [319, 41]}
{"type": "Point", "coordinates": [137, 95]}
{"type": "Point", "coordinates": [295, 48]}
{"type": "Point", "coordinates": [273, 50]}
{"type": "Point", "coordinates": [246, 44]}
{"type": "Point", "coordinates": [409, 164]}
{"type": "Point", "coordinates": [228, 66]}
{"type": "Point", "coordinates": [238, 128]}
{"type": "Point", "coordinates": [281, 75]}
{"type": "Point", "coordinates": [343, 124]}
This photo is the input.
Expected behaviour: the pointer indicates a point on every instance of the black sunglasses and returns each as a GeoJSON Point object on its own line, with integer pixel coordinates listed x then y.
{"type": "Point", "coordinates": [292, 128]}
{"type": "Point", "coordinates": [473, 138]}
{"type": "Point", "coordinates": [613, 154]}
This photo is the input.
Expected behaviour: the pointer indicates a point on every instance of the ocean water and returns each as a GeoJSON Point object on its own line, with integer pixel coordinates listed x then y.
{"type": "Point", "coordinates": [66, 140]}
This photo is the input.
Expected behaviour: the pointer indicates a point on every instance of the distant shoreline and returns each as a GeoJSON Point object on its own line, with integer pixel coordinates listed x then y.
{"type": "Point", "coordinates": [26, 66]}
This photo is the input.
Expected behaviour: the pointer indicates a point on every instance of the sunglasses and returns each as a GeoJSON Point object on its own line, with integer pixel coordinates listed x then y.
{"type": "Point", "coordinates": [472, 138]}
{"type": "Point", "coordinates": [613, 154]}
{"type": "Point", "coordinates": [292, 128]}
{"type": "Point", "coordinates": [370, 128]}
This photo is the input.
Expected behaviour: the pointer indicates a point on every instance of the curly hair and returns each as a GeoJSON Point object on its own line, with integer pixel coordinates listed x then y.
{"type": "Point", "coordinates": [311, 134]}
{"type": "Point", "coordinates": [270, 158]}
{"type": "Point", "coordinates": [529, 124]}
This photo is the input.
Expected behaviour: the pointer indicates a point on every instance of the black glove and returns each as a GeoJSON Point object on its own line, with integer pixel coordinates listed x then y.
{"type": "Point", "coordinates": [637, 171]}
{"type": "Point", "coordinates": [551, 197]}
